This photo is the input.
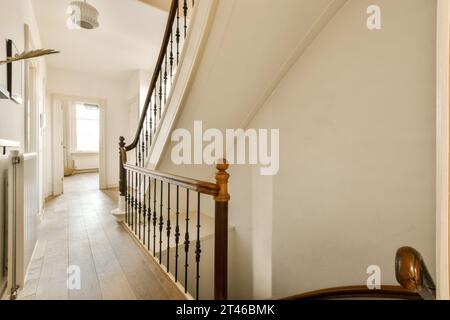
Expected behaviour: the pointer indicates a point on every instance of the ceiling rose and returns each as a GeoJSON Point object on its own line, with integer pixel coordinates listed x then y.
{"type": "Point", "coordinates": [82, 16]}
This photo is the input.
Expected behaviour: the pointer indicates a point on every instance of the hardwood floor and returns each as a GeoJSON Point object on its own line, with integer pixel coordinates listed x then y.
{"type": "Point", "coordinates": [78, 230]}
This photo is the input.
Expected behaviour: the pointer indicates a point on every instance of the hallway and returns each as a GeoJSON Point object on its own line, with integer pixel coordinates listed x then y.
{"type": "Point", "coordinates": [77, 229]}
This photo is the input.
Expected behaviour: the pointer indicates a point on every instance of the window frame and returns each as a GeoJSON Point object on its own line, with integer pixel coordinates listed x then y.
{"type": "Point", "coordinates": [76, 149]}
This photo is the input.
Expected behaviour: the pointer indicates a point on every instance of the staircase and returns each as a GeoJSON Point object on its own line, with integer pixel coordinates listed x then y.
{"type": "Point", "coordinates": [169, 215]}
{"type": "Point", "coordinates": [164, 212]}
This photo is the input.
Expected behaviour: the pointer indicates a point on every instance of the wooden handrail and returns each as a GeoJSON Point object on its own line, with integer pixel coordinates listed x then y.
{"type": "Point", "coordinates": [203, 187]}
{"type": "Point", "coordinates": [140, 192]}
{"type": "Point", "coordinates": [412, 273]}
{"type": "Point", "coordinates": [361, 292]}
{"type": "Point", "coordinates": [167, 35]}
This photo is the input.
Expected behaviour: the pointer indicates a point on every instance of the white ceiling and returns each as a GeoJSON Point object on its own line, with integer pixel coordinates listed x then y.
{"type": "Point", "coordinates": [128, 39]}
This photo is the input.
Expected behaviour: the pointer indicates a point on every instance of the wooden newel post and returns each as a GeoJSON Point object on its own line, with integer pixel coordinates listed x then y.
{"type": "Point", "coordinates": [221, 233]}
{"type": "Point", "coordinates": [122, 172]}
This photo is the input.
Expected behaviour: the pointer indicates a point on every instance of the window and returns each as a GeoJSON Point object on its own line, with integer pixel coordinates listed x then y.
{"type": "Point", "coordinates": [87, 127]}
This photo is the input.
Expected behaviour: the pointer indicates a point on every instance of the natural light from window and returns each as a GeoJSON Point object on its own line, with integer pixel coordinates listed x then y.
{"type": "Point", "coordinates": [88, 127]}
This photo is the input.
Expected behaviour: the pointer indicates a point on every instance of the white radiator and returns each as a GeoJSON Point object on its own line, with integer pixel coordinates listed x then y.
{"type": "Point", "coordinates": [4, 165]}
{"type": "Point", "coordinates": [85, 161]}
{"type": "Point", "coordinates": [23, 210]}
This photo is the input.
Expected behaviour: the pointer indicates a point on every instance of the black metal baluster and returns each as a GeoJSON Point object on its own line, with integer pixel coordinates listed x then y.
{"type": "Point", "coordinates": [169, 227]}
{"type": "Point", "coordinates": [126, 200]}
{"type": "Point", "coordinates": [178, 35]}
{"type": "Point", "coordinates": [165, 81]}
{"type": "Point", "coordinates": [143, 149]}
{"type": "Point", "coordinates": [171, 58]}
{"type": "Point", "coordinates": [139, 207]}
{"type": "Point", "coordinates": [160, 93]}
{"type": "Point", "coordinates": [149, 211]}
{"type": "Point", "coordinates": [198, 249]}
{"type": "Point", "coordinates": [151, 122]}
{"type": "Point", "coordinates": [136, 159]}
{"type": "Point", "coordinates": [147, 125]}
{"type": "Point", "coordinates": [161, 221]}
{"type": "Point", "coordinates": [154, 218]}
{"type": "Point", "coordinates": [139, 152]}
{"type": "Point", "coordinates": [186, 244]}
{"type": "Point", "coordinates": [129, 184]}
{"type": "Point", "coordinates": [130, 195]}
{"type": "Point", "coordinates": [155, 113]}
{"type": "Point", "coordinates": [130, 216]}
{"type": "Point", "coordinates": [185, 11]}
{"type": "Point", "coordinates": [136, 204]}
{"type": "Point", "coordinates": [132, 202]}
{"type": "Point", "coordinates": [136, 195]}
{"type": "Point", "coordinates": [144, 210]}
{"type": "Point", "coordinates": [177, 234]}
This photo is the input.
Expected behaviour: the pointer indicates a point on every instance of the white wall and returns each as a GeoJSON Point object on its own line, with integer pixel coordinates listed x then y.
{"type": "Point", "coordinates": [82, 85]}
{"type": "Point", "coordinates": [13, 16]}
{"type": "Point", "coordinates": [357, 121]}
{"type": "Point", "coordinates": [137, 89]}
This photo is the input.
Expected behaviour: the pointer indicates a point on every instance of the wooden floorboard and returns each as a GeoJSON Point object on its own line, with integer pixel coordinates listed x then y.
{"type": "Point", "coordinates": [77, 229]}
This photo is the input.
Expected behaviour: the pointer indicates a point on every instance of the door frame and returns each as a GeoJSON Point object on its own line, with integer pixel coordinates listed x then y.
{"type": "Point", "coordinates": [443, 148]}
{"type": "Point", "coordinates": [57, 142]}
{"type": "Point", "coordinates": [102, 143]}
{"type": "Point", "coordinates": [31, 104]}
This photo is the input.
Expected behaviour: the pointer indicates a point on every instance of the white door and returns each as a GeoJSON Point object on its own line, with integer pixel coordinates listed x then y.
{"type": "Point", "coordinates": [58, 150]}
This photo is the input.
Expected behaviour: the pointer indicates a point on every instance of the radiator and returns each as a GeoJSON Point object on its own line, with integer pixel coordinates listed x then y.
{"type": "Point", "coordinates": [23, 210]}
{"type": "Point", "coordinates": [4, 165]}
{"type": "Point", "coordinates": [85, 162]}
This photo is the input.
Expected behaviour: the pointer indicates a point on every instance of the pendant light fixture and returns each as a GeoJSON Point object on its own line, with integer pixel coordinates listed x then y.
{"type": "Point", "coordinates": [82, 16]}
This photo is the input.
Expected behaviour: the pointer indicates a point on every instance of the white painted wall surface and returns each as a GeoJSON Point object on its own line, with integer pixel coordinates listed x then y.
{"type": "Point", "coordinates": [357, 179]}
{"type": "Point", "coordinates": [113, 92]}
{"type": "Point", "coordinates": [137, 89]}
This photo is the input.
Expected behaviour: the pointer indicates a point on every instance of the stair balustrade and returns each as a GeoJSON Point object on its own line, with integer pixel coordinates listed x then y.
{"type": "Point", "coordinates": [155, 203]}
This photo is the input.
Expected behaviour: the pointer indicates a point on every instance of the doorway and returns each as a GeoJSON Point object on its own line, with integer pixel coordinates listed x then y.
{"type": "Point", "coordinates": [78, 133]}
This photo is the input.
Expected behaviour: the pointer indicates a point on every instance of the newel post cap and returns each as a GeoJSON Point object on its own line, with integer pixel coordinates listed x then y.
{"type": "Point", "coordinates": [122, 142]}
{"type": "Point", "coordinates": [222, 178]}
